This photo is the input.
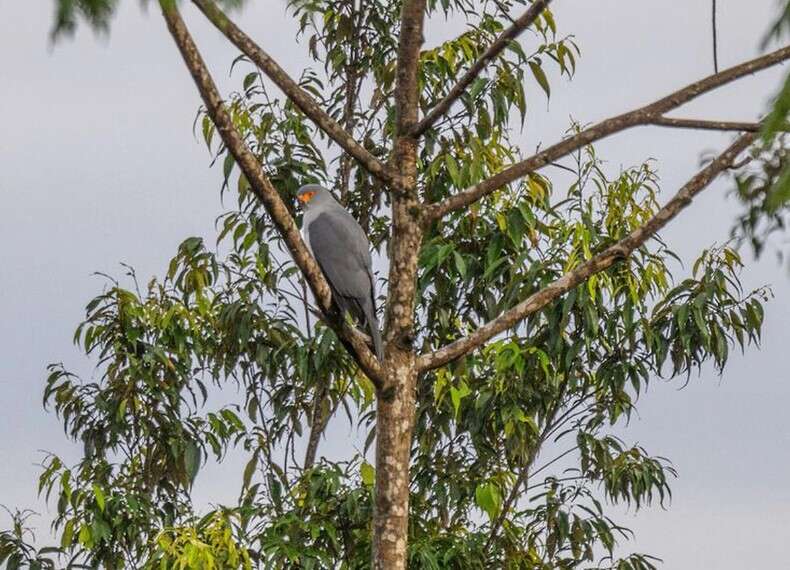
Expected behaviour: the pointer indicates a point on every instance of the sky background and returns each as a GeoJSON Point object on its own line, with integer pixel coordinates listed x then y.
{"type": "Point", "coordinates": [98, 166]}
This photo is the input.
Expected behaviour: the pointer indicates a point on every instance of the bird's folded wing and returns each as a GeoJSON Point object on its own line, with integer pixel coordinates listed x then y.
{"type": "Point", "coordinates": [338, 251]}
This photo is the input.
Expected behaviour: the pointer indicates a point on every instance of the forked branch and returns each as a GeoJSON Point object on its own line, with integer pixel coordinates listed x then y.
{"type": "Point", "coordinates": [301, 98]}
{"type": "Point", "coordinates": [263, 188]}
{"type": "Point", "coordinates": [608, 257]}
{"type": "Point", "coordinates": [519, 25]}
{"type": "Point", "coordinates": [649, 114]}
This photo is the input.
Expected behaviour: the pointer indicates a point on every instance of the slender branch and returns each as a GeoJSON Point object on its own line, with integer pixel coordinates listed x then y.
{"type": "Point", "coordinates": [351, 95]}
{"type": "Point", "coordinates": [316, 418]}
{"type": "Point", "coordinates": [707, 125]}
{"type": "Point", "coordinates": [523, 477]}
{"type": "Point", "coordinates": [264, 190]}
{"type": "Point", "coordinates": [522, 23]}
{"type": "Point", "coordinates": [643, 116]}
{"type": "Point", "coordinates": [294, 92]}
{"type": "Point", "coordinates": [715, 37]}
{"type": "Point", "coordinates": [317, 424]}
{"type": "Point", "coordinates": [608, 257]}
{"type": "Point", "coordinates": [555, 460]}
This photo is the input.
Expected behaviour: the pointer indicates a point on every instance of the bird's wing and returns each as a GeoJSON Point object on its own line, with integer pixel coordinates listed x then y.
{"type": "Point", "coordinates": [341, 249]}
{"type": "Point", "coordinates": [341, 253]}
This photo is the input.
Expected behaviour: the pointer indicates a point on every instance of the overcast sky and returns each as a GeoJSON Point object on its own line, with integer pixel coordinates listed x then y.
{"type": "Point", "coordinates": [98, 166]}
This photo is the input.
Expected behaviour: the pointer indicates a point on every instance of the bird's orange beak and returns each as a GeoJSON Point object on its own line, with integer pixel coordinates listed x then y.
{"type": "Point", "coordinates": [306, 197]}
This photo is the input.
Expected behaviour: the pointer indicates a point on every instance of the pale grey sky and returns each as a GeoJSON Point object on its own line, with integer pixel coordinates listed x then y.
{"type": "Point", "coordinates": [98, 165]}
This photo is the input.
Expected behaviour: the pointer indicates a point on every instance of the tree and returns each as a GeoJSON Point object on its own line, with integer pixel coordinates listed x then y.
{"type": "Point", "coordinates": [521, 321]}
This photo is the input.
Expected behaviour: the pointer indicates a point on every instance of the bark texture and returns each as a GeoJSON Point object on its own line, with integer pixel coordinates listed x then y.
{"type": "Point", "coordinates": [704, 125]}
{"type": "Point", "coordinates": [394, 425]}
{"type": "Point", "coordinates": [318, 421]}
{"type": "Point", "coordinates": [396, 401]}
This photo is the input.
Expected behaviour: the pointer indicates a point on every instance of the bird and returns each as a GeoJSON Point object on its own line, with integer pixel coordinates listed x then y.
{"type": "Point", "coordinates": [342, 251]}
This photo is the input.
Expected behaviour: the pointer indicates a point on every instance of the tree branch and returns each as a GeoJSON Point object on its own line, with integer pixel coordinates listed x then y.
{"type": "Point", "coordinates": [523, 477]}
{"type": "Point", "coordinates": [643, 116]}
{"type": "Point", "coordinates": [351, 95]}
{"type": "Point", "coordinates": [707, 125]}
{"type": "Point", "coordinates": [317, 424]}
{"type": "Point", "coordinates": [522, 23]}
{"type": "Point", "coordinates": [714, 29]}
{"type": "Point", "coordinates": [608, 257]}
{"type": "Point", "coordinates": [295, 93]}
{"type": "Point", "coordinates": [264, 190]}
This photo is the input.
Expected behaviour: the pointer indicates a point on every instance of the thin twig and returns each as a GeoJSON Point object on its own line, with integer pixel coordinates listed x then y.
{"type": "Point", "coordinates": [715, 38]}
{"type": "Point", "coordinates": [519, 25]}
{"type": "Point", "coordinates": [525, 474]}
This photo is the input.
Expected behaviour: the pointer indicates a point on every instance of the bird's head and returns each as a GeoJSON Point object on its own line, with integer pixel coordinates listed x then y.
{"type": "Point", "coordinates": [311, 194]}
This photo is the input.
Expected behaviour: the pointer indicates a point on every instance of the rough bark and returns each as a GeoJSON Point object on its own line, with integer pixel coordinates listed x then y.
{"type": "Point", "coordinates": [600, 262]}
{"type": "Point", "coordinates": [394, 425]}
{"type": "Point", "coordinates": [646, 115]}
{"type": "Point", "coordinates": [265, 192]}
{"type": "Point", "coordinates": [395, 405]}
{"type": "Point", "coordinates": [406, 209]}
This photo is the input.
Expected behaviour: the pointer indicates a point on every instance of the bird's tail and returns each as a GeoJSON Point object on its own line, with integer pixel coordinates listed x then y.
{"type": "Point", "coordinates": [375, 333]}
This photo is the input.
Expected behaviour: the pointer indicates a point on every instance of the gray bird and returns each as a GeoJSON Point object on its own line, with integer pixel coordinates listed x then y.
{"type": "Point", "coordinates": [342, 251]}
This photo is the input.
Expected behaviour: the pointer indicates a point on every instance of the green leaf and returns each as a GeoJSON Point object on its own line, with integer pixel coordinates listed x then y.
{"type": "Point", "coordinates": [458, 394]}
{"type": "Point", "coordinates": [99, 494]}
{"type": "Point", "coordinates": [477, 87]}
{"type": "Point", "coordinates": [540, 77]}
{"type": "Point", "coordinates": [249, 80]}
{"type": "Point", "coordinates": [368, 473]}
{"type": "Point", "coordinates": [68, 534]}
{"type": "Point", "coordinates": [249, 470]}
{"type": "Point", "coordinates": [84, 537]}
{"type": "Point", "coordinates": [489, 498]}
{"type": "Point", "coordinates": [191, 460]}
{"type": "Point", "coordinates": [453, 170]}
{"type": "Point", "coordinates": [460, 264]}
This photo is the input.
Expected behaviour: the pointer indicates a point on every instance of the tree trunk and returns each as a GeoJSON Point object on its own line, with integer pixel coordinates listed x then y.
{"type": "Point", "coordinates": [394, 424]}
{"type": "Point", "coordinates": [396, 398]}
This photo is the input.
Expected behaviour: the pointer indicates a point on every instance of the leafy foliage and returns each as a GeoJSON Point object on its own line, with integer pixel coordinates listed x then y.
{"type": "Point", "coordinates": [764, 190]}
{"type": "Point", "coordinates": [97, 14]}
{"type": "Point", "coordinates": [513, 459]}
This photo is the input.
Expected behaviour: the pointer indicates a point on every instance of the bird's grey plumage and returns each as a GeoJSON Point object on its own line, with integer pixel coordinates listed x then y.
{"type": "Point", "coordinates": [342, 251]}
